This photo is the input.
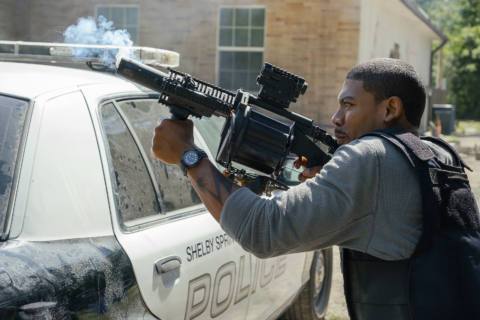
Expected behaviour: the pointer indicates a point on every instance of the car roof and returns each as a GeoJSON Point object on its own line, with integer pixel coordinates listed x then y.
{"type": "Point", "coordinates": [31, 80]}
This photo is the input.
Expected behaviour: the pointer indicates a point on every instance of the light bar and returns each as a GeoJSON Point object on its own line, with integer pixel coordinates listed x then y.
{"type": "Point", "coordinates": [146, 55]}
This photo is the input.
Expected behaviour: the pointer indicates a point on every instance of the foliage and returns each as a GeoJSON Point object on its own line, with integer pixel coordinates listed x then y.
{"type": "Point", "coordinates": [460, 20]}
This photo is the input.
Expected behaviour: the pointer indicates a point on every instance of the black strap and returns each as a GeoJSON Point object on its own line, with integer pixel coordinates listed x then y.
{"type": "Point", "coordinates": [408, 143]}
{"type": "Point", "coordinates": [442, 143]}
{"type": "Point", "coordinates": [419, 149]}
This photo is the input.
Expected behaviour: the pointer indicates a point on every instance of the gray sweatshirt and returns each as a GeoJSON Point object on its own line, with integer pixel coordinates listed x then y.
{"type": "Point", "coordinates": [366, 198]}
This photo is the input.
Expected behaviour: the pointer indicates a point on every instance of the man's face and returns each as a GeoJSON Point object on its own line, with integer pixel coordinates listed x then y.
{"type": "Point", "coordinates": [358, 113]}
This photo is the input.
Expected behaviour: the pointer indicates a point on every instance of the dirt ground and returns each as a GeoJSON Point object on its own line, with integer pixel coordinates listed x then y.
{"type": "Point", "coordinates": [337, 309]}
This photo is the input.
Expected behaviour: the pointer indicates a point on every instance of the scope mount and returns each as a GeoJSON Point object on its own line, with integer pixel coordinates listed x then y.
{"type": "Point", "coordinates": [279, 87]}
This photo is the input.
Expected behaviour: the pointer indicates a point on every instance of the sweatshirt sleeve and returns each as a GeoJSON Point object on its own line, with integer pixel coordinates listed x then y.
{"type": "Point", "coordinates": [335, 207]}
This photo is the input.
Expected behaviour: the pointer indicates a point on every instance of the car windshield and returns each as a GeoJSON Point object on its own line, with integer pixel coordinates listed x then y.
{"type": "Point", "coordinates": [12, 120]}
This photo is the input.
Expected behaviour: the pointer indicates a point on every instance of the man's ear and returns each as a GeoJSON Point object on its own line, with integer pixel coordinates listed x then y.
{"type": "Point", "coordinates": [394, 109]}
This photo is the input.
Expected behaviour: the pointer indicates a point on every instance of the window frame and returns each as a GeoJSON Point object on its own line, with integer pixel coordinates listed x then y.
{"type": "Point", "coordinates": [123, 6]}
{"type": "Point", "coordinates": [236, 48]}
{"type": "Point", "coordinates": [149, 221]}
{"type": "Point", "coordinates": [5, 229]}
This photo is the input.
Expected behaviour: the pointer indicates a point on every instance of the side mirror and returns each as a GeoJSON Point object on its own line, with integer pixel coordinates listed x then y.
{"type": "Point", "coordinates": [289, 175]}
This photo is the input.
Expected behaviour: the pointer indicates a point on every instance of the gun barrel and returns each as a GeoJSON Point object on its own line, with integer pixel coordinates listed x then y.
{"type": "Point", "coordinates": [142, 74]}
{"type": "Point", "coordinates": [183, 94]}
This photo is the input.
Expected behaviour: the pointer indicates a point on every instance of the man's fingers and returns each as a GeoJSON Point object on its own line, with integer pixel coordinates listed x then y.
{"type": "Point", "coordinates": [309, 173]}
{"type": "Point", "coordinates": [296, 164]}
{"type": "Point", "coordinates": [300, 162]}
{"type": "Point", "coordinates": [171, 138]}
{"type": "Point", "coordinates": [301, 177]}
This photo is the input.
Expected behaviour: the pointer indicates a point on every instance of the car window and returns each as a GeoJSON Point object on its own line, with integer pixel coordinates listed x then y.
{"type": "Point", "coordinates": [12, 121]}
{"type": "Point", "coordinates": [141, 116]}
{"type": "Point", "coordinates": [210, 129]}
{"type": "Point", "coordinates": [135, 192]}
{"type": "Point", "coordinates": [290, 174]}
{"type": "Point", "coordinates": [175, 189]}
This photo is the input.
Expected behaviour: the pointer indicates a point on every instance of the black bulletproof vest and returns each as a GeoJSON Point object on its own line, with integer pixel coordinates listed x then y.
{"type": "Point", "coordinates": [442, 278]}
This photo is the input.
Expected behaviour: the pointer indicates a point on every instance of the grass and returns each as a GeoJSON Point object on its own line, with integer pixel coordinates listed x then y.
{"type": "Point", "coordinates": [451, 139]}
{"type": "Point", "coordinates": [468, 127]}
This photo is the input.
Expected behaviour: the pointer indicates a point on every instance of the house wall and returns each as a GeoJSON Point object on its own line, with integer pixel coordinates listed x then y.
{"type": "Point", "coordinates": [384, 23]}
{"type": "Point", "coordinates": [46, 20]}
{"type": "Point", "coordinates": [7, 26]}
{"type": "Point", "coordinates": [317, 40]}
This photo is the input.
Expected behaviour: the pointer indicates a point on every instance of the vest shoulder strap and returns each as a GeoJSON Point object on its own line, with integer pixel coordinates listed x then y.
{"type": "Point", "coordinates": [442, 143]}
{"type": "Point", "coordinates": [414, 149]}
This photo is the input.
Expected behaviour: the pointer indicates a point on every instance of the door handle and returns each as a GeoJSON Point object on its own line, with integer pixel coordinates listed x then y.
{"type": "Point", "coordinates": [168, 264]}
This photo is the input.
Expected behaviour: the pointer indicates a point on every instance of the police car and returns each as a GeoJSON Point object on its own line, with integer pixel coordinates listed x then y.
{"type": "Point", "coordinates": [92, 226]}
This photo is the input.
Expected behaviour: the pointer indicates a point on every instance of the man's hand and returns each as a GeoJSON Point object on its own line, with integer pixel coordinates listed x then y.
{"type": "Point", "coordinates": [307, 172]}
{"type": "Point", "coordinates": [171, 139]}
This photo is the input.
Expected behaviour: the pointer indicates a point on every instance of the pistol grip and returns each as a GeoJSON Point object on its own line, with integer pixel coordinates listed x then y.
{"type": "Point", "coordinates": [178, 114]}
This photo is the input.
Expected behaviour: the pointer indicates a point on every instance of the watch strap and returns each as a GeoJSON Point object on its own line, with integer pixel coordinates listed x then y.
{"type": "Point", "coordinates": [201, 154]}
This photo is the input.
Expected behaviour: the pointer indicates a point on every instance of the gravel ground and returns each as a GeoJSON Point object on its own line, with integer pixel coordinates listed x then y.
{"type": "Point", "coordinates": [337, 309]}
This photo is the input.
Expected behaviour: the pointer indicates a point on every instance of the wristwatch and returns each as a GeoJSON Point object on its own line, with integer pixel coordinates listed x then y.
{"type": "Point", "coordinates": [191, 158]}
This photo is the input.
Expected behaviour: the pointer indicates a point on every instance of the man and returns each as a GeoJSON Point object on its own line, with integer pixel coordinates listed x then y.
{"type": "Point", "coordinates": [367, 198]}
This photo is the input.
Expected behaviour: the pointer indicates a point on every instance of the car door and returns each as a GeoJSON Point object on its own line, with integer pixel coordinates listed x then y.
{"type": "Point", "coordinates": [185, 265]}
{"type": "Point", "coordinates": [275, 281]}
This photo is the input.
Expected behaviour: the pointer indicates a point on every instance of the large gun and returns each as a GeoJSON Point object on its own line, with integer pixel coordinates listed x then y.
{"type": "Point", "coordinates": [259, 133]}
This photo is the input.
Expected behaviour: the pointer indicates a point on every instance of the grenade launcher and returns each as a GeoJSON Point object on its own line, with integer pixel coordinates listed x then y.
{"type": "Point", "coordinates": [259, 132]}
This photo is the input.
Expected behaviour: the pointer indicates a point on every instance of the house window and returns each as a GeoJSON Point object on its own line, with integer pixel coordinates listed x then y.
{"type": "Point", "coordinates": [240, 47]}
{"type": "Point", "coordinates": [123, 17]}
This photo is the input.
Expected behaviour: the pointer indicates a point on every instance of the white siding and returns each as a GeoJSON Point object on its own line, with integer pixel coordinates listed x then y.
{"type": "Point", "coordinates": [7, 26]}
{"type": "Point", "coordinates": [384, 23]}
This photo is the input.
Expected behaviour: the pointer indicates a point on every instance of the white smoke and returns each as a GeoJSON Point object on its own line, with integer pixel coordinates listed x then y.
{"type": "Point", "coordinates": [97, 32]}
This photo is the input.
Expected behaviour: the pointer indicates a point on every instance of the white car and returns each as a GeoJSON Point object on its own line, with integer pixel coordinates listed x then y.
{"type": "Point", "coordinates": [93, 227]}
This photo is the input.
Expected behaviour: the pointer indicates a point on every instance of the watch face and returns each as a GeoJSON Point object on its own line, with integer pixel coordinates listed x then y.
{"type": "Point", "coordinates": [190, 158]}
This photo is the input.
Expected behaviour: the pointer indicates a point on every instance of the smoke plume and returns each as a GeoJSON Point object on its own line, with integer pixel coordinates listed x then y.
{"type": "Point", "coordinates": [99, 32]}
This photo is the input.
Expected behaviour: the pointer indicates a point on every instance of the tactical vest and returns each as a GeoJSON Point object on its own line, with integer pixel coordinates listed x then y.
{"type": "Point", "coordinates": [441, 280]}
